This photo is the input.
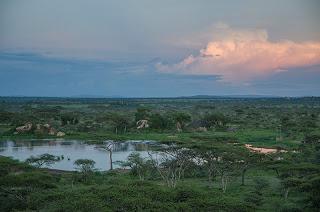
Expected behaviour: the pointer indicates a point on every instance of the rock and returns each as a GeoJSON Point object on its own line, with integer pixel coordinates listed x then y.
{"type": "Point", "coordinates": [232, 129]}
{"type": "Point", "coordinates": [38, 127]}
{"type": "Point", "coordinates": [179, 127]}
{"type": "Point", "coordinates": [52, 131]}
{"type": "Point", "coordinates": [25, 128]}
{"type": "Point", "coordinates": [60, 134]}
{"type": "Point", "coordinates": [44, 129]}
{"type": "Point", "coordinates": [197, 123]}
{"type": "Point", "coordinates": [142, 124]}
{"type": "Point", "coordinates": [201, 129]}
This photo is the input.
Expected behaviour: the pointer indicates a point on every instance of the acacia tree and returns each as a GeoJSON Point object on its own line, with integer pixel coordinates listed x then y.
{"type": "Point", "coordinates": [171, 164]}
{"type": "Point", "coordinates": [208, 160]}
{"type": "Point", "coordinates": [294, 175]}
{"type": "Point", "coordinates": [41, 160]}
{"type": "Point", "coordinates": [109, 148]}
{"type": "Point", "coordinates": [137, 164]}
{"type": "Point", "coordinates": [226, 167]}
{"type": "Point", "coordinates": [221, 161]}
{"type": "Point", "coordinates": [247, 160]}
{"type": "Point", "coordinates": [85, 166]}
{"type": "Point", "coordinates": [295, 169]}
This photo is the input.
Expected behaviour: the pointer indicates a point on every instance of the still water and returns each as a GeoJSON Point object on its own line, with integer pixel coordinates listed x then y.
{"type": "Point", "coordinates": [72, 150]}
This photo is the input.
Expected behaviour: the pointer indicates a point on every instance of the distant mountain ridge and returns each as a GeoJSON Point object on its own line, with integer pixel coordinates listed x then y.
{"type": "Point", "coordinates": [228, 96]}
{"type": "Point", "coordinates": [96, 96]}
{"type": "Point", "coordinates": [150, 97]}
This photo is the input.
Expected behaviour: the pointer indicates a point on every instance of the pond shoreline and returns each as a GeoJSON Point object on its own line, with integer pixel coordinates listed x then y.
{"type": "Point", "coordinates": [70, 150]}
{"type": "Point", "coordinates": [60, 171]}
{"type": "Point", "coordinates": [98, 138]}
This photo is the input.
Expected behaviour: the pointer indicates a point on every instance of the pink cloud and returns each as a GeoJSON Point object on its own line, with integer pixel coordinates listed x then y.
{"type": "Point", "coordinates": [244, 55]}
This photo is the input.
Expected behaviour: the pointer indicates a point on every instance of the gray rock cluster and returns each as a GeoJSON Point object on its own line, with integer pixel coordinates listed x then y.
{"type": "Point", "coordinates": [39, 129]}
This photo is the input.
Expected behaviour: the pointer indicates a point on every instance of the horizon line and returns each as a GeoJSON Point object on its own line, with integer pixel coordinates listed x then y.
{"type": "Point", "coordinates": [163, 97]}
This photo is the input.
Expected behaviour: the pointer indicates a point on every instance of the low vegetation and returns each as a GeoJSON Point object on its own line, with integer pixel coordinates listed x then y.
{"type": "Point", "coordinates": [207, 167]}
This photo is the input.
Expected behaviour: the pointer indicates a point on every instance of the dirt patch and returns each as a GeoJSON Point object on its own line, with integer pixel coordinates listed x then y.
{"type": "Point", "coordinates": [263, 150]}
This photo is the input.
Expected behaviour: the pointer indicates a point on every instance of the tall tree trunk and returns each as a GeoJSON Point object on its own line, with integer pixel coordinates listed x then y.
{"type": "Point", "coordinates": [286, 193]}
{"type": "Point", "coordinates": [110, 157]}
{"type": "Point", "coordinates": [210, 179]}
{"type": "Point", "coordinates": [224, 182]}
{"type": "Point", "coordinates": [242, 176]}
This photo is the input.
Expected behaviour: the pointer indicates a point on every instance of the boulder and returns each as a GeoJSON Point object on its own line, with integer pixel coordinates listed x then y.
{"type": "Point", "coordinates": [179, 127]}
{"type": "Point", "coordinates": [25, 128]}
{"type": "Point", "coordinates": [142, 124]}
{"type": "Point", "coordinates": [52, 131]}
{"type": "Point", "coordinates": [38, 127]}
{"type": "Point", "coordinates": [201, 129]}
{"type": "Point", "coordinates": [60, 134]}
{"type": "Point", "coordinates": [232, 129]}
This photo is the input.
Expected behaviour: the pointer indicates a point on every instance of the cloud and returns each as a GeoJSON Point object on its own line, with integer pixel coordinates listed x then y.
{"type": "Point", "coordinates": [244, 55]}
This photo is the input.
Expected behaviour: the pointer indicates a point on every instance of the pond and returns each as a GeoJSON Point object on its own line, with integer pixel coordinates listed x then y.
{"type": "Point", "coordinates": [71, 150]}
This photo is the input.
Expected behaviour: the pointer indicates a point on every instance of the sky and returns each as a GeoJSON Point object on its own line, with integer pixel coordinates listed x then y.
{"type": "Point", "coordinates": [164, 48]}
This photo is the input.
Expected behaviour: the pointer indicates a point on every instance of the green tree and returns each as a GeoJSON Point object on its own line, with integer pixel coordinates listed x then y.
{"type": "Point", "coordinates": [159, 121]}
{"type": "Point", "coordinates": [85, 166]}
{"type": "Point", "coordinates": [121, 123]}
{"type": "Point", "coordinates": [142, 114]}
{"type": "Point", "coordinates": [247, 160]}
{"type": "Point", "coordinates": [69, 118]}
{"type": "Point", "coordinates": [138, 165]}
{"type": "Point", "coordinates": [208, 160]}
{"type": "Point", "coordinates": [44, 159]}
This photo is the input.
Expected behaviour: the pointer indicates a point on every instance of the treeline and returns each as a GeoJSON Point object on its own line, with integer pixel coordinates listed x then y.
{"type": "Point", "coordinates": [117, 122]}
{"type": "Point", "coordinates": [292, 118]}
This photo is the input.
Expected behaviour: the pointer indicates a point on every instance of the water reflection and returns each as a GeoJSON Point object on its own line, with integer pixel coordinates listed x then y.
{"type": "Point", "coordinates": [72, 150]}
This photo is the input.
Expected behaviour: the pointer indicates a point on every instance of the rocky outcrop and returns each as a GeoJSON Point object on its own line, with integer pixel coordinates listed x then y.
{"type": "Point", "coordinates": [60, 134]}
{"type": "Point", "coordinates": [45, 129]}
{"type": "Point", "coordinates": [25, 128]}
{"type": "Point", "coordinates": [197, 124]}
{"type": "Point", "coordinates": [232, 129]}
{"type": "Point", "coordinates": [52, 131]}
{"type": "Point", "coordinates": [201, 129]}
{"type": "Point", "coordinates": [179, 127]}
{"type": "Point", "coordinates": [141, 124]}
{"type": "Point", "coordinates": [39, 129]}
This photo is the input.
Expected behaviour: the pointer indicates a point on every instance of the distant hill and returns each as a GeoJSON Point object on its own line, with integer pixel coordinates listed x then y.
{"type": "Point", "coordinates": [97, 96]}
{"type": "Point", "coordinates": [227, 96]}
